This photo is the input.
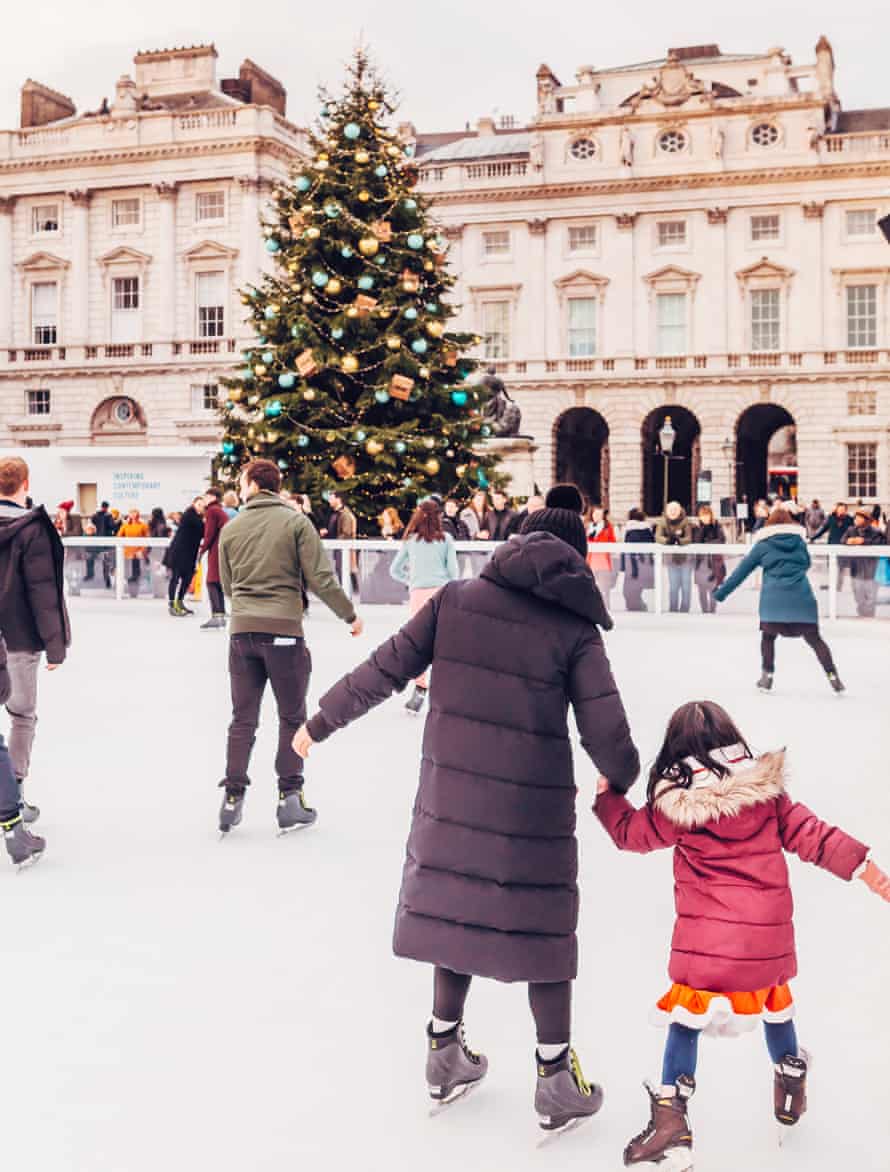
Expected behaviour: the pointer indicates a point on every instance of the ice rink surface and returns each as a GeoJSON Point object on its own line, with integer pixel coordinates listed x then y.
{"type": "Point", "coordinates": [174, 1002]}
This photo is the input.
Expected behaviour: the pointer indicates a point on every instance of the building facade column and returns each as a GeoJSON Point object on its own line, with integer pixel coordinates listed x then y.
{"type": "Point", "coordinates": [6, 271]}
{"type": "Point", "coordinates": [166, 262]}
{"type": "Point", "coordinates": [625, 335]}
{"type": "Point", "coordinates": [77, 333]}
{"type": "Point", "coordinates": [537, 294]}
{"type": "Point", "coordinates": [808, 328]}
{"type": "Point", "coordinates": [251, 231]}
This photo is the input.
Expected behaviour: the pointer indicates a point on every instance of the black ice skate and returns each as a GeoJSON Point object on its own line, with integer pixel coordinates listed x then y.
{"type": "Point", "coordinates": [415, 700]}
{"type": "Point", "coordinates": [563, 1098]}
{"type": "Point", "coordinates": [790, 1088]}
{"type": "Point", "coordinates": [216, 623]}
{"type": "Point", "coordinates": [835, 680]}
{"type": "Point", "coordinates": [231, 810]}
{"type": "Point", "coordinates": [293, 813]}
{"type": "Point", "coordinates": [765, 683]}
{"type": "Point", "coordinates": [666, 1143]}
{"type": "Point", "coordinates": [23, 847]}
{"type": "Point", "coordinates": [28, 812]}
{"type": "Point", "coordinates": [452, 1068]}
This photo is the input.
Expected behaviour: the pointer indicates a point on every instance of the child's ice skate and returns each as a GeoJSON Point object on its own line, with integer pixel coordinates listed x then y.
{"type": "Point", "coordinates": [293, 813]}
{"type": "Point", "coordinates": [452, 1068]}
{"type": "Point", "coordinates": [562, 1097]}
{"type": "Point", "coordinates": [231, 811]}
{"type": "Point", "coordinates": [23, 847]}
{"type": "Point", "coordinates": [667, 1141]}
{"type": "Point", "coordinates": [790, 1088]}
{"type": "Point", "coordinates": [765, 683]}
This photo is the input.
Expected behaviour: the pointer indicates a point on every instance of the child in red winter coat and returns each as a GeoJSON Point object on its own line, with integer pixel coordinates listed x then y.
{"type": "Point", "coordinates": [729, 819]}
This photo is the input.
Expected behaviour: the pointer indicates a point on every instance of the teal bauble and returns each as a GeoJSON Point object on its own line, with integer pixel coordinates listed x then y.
{"type": "Point", "coordinates": [407, 482]}
{"type": "Point", "coordinates": [381, 172]}
{"type": "Point", "coordinates": [481, 478]}
{"type": "Point", "coordinates": [331, 210]}
{"type": "Point", "coordinates": [302, 441]}
{"type": "Point", "coordinates": [459, 398]}
{"type": "Point", "coordinates": [303, 183]}
{"type": "Point", "coordinates": [247, 373]}
{"type": "Point", "coordinates": [415, 241]}
{"type": "Point", "coordinates": [295, 331]}
{"type": "Point", "coordinates": [410, 313]}
{"type": "Point", "coordinates": [485, 429]}
{"type": "Point", "coordinates": [336, 333]}
{"type": "Point", "coordinates": [379, 260]}
{"type": "Point", "coordinates": [286, 380]}
{"type": "Point", "coordinates": [352, 130]}
{"type": "Point", "coordinates": [230, 406]}
{"type": "Point", "coordinates": [269, 313]}
{"type": "Point", "coordinates": [419, 346]}
{"type": "Point", "coordinates": [365, 282]}
{"type": "Point", "coordinates": [381, 396]}
{"type": "Point", "coordinates": [410, 205]}
{"type": "Point", "coordinates": [346, 252]}
{"type": "Point", "coordinates": [319, 278]}
{"type": "Point", "coordinates": [401, 447]}
{"type": "Point", "coordinates": [273, 409]}
{"type": "Point", "coordinates": [431, 307]}
{"type": "Point", "coordinates": [360, 436]}
{"type": "Point", "coordinates": [228, 447]}
{"type": "Point", "coordinates": [272, 245]}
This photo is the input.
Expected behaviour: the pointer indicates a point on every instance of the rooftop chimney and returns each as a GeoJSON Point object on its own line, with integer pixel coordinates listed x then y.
{"type": "Point", "coordinates": [41, 105]}
{"type": "Point", "coordinates": [160, 72]}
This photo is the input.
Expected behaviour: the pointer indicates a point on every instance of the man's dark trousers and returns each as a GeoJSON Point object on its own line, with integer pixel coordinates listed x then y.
{"type": "Point", "coordinates": [283, 661]}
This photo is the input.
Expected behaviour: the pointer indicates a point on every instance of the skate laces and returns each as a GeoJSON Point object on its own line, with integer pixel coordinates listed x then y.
{"type": "Point", "coordinates": [462, 1038]}
{"type": "Point", "coordinates": [578, 1074]}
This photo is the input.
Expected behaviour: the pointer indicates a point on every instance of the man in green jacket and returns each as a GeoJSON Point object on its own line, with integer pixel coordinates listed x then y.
{"type": "Point", "coordinates": [267, 555]}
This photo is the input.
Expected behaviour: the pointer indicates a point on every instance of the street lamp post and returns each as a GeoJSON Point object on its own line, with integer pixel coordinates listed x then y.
{"type": "Point", "coordinates": [666, 438]}
{"type": "Point", "coordinates": [728, 450]}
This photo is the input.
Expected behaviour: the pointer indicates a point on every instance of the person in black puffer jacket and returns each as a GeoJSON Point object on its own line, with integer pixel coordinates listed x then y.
{"type": "Point", "coordinates": [181, 557]}
{"type": "Point", "coordinates": [490, 881]}
{"type": "Point", "coordinates": [710, 569]}
{"type": "Point", "coordinates": [639, 571]}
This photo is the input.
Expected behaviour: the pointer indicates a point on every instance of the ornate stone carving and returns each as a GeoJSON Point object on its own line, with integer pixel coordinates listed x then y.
{"type": "Point", "coordinates": [813, 211]}
{"type": "Point", "coordinates": [674, 85]}
{"type": "Point", "coordinates": [537, 227]}
{"type": "Point", "coordinates": [80, 198]}
{"type": "Point", "coordinates": [7, 205]}
{"type": "Point", "coordinates": [626, 147]}
{"type": "Point", "coordinates": [626, 220]}
{"type": "Point", "coordinates": [717, 215]}
{"type": "Point", "coordinates": [453, 231]}
{"type": "Point", "coordinates": [501, 413]}
{"type": "Point", "coordinates": [165, 190]}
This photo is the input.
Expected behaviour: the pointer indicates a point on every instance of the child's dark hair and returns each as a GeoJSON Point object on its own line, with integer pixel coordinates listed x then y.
{"type": "Point", "coordinates": [695, 730]}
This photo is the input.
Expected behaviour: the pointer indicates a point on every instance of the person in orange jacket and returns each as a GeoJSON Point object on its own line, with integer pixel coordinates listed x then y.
{"type": "Point", "coordinates": [599, 529]}
{"type": "Point", "coordinates": [134, 555]}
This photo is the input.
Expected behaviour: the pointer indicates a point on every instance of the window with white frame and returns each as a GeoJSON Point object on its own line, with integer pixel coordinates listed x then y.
{"type": "Point", "coordinates": [210, 205]}
{"type": "Point", "coordinates": [125, 303]}
{"type": "Point", "coordinates": [126, 213]}
{"type": "Point", "coordinates": [862, 470]}
{"type": "Point", "coordinates": [205, 397]}
{"type": "Point", "coordinates": [860, 223]}
{"type": "Point", "coordinates": [766, 226]}
{"type": "Point", "coordinates": [582, 238]}
{"type": "Point", "coordinates": [45, 219]}
{"type": "Point", "coordinates": [38, 402]}
{"type": "Point", "coordinates": [496, 329]}
{"type": "Point", "coordinates": [210, 299]}
{"type": "Point", "coordinates": [582, 327]}
{"type": "Point", "coordinates": [45, 313]}
{"type": "Point", "coordinates": [496, 243]}
{"type": "Point", "coordinates": [670, 234]}
{"type": "Point", "coordinates": [766, 319]}
{"type": "Point", "coordinates": [670, 323]}
{"type": "Point", "coordinates": [862, 401]}
{"type": "Point", "coordinates": [862, 316]}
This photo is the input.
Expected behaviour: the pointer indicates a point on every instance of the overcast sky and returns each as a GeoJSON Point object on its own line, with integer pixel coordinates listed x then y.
{"type": "Point", "coordinates": [452, 60]}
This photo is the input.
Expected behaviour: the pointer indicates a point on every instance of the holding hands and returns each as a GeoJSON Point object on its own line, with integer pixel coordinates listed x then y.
{"type": "Point", "coordinates": [302, 742]}
{"type": "Point", "coordinates": [876, 880]}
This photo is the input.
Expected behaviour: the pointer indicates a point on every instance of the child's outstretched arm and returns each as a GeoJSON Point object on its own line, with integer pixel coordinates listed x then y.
{"type": "Point", "coordinates": [817, 842]}
{"type": "Point", "coordinates": [630, 829]}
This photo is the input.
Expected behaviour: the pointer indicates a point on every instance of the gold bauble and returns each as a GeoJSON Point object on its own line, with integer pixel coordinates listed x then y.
{"type": "Point", "coordinates": [260, 369]}
{"type": "Point", "coordinates": [272, 437]}
{"type": "Point", "coordinates": [394, 343]}
{"type": "Point", "coordinates": [330, 437]}
{"type": "Point", "coordinates": [307, 298]}
{"type": "Point", "coordinates": [435, 328]}
{"type": "Point", "coordinates": [332, 142]}
{"type": "Point", "coordinates": [429, 442]}
{"type": "Point", "coordinates": [313, 233]}
{"type": "Point", "coordinates": [364, 196]}
{"type": "Point", "coordinates": [460, 469]}
{"type": "Point", "coordinates": [309, 394]}
{"type": "Point", "coordinates": [321, 165]}
{"type": "Point", "coordinates": [373, 447]}
{"type": "Point", "coordinates": [432, 466]}
{"type": "Point", "coordinates": [235, 394]}
{"type": "Point", "coordinates": [373, 104]}
{"type": "Point", "coordinates": [252, 400]}
{"type": "Point", "coordinates": [428, 266]}
{"type": "Point", "coordinates": [322, 156]}
{"type": "Point", "coordinates": [352, 311]}
{"type": "Point", "coordinates": [293, 266]}
{"type": "Point", "coordinates": [394, 151]}
{"type": "Point", "coordinates": [362, 156]}
{"type": "Point", "coordinates": [245, 300]}
{"type": "Point", "coordinates": [251, 434]}
{"type": "Point", "coordinates": [307, 209]}
{"type": "Point", "coordinates": [350, 363]}
{"type": "Point", "coordinates": [424, 372]}
{"type": "Point", "coordinates": [333, 286]}
{"type": "Point", "coordinates": [274, 306]}
{"type": "Point", "coordinates": [368, 245]}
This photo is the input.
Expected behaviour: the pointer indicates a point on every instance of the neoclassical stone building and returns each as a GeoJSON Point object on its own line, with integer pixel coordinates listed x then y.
{"type": "Point", "coordinates": [692, 237]}
{"type": "Point", "coordinates": [125, 233]}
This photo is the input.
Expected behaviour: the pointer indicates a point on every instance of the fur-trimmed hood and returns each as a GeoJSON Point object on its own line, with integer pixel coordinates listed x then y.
{"type": "Point", "coordinates": [791, 530]}
{"type": "Point", "coordinates": [709, 798]}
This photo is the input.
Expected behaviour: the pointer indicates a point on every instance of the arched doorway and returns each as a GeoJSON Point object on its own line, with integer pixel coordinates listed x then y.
{"type": "Point", "coordinates": [766, 453]}
{"type": "Point", "coordinates": [682, 465]}
{"type": "Point", "coordinates": [582, 453]}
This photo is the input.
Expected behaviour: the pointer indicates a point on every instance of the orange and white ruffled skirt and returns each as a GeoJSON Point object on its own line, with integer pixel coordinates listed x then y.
{"type": "Point", "coordinates": [723, 1014]}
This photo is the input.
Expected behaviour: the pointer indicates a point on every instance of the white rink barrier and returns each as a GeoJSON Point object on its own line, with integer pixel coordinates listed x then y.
{"type": "Point", "coordinates": [829, 559]}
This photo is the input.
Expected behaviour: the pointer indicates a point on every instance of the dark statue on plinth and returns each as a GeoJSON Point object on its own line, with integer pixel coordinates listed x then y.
{"type": "Point", "coordinates": [502, 413]}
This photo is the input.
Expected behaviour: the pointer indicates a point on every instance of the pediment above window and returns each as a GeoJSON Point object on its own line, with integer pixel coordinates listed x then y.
{"type": "Point", "coordinates": [124, 256]}
{"type": "Point", "coordinates": [765, 273]}
{"type": "Point", "coordinates": [868, 275]}
{"type": "Point", "coordinates": [210, 250]}
{"type": "Point", "coordinates": [581, 281]}
{"type": "Point", "coordinates": [672, 279]}
{"type": "Point", "coordinates": [43, 262]}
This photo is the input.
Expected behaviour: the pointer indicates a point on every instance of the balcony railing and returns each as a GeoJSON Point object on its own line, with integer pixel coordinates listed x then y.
{"type": "Point", "coordinates": [867, 143]}
{"type": "Point", "coordinates": [122, 351]}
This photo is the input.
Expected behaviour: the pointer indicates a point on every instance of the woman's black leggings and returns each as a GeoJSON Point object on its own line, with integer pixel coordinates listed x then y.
{"type": "Point", "coordinates": [177, 586]}
{"type": "Point", "coordinates": [812, 638]}
{"type": "Point", "coordinates": [551, 1004]}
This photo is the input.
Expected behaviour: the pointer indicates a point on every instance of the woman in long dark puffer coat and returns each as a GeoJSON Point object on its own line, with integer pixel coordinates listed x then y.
{"type": "Point", "coordinates": [181, 556]}
{"type": "Point", "coordinates": [490, 881]}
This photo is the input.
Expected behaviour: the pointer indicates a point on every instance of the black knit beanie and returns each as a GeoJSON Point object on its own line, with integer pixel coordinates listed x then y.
{"type": "Point", "coordinates": [565, 496]}
{"type": "Point", "coordinates": [562, 523]}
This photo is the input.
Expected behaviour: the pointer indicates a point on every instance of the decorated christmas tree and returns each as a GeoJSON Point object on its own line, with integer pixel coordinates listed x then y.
{"type": "Point", "coordinates": [355, 383]}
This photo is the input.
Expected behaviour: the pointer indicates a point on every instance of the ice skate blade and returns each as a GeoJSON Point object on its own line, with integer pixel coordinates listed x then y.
{"type": "Point", "coordinates": [556, 1133]}
{"type": "Point", "coordinates": [674, 1160]}
{"type": "Point", "coordinates": [284, 831]}
{"type": "Point", "coordinates": [456, 1095]}
{"type": "Point", "coordinates": [28, 863]}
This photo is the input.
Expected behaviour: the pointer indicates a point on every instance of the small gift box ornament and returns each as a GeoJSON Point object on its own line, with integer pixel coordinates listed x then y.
{"type": "Point", "coordinates": [364, 304]}
{"type": "Point", "coordinates": [296, 222]}
{"type": "Point", "coordinates": [410, 281]}
{"type": "Point", "coordinates": [306, 364]}
{"type": "Point", "coordinates": [451, 358]}
{"type": "Point", "coordinates": [401, 386]}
